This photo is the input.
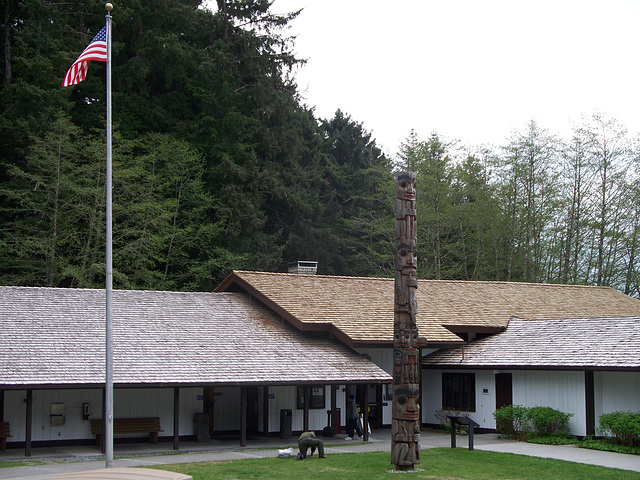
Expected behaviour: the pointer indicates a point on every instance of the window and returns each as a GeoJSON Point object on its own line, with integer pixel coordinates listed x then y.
{"type": "Point", "coordinates": [459, 392]}
{"type": "Point", "coordinates": [316, 396]}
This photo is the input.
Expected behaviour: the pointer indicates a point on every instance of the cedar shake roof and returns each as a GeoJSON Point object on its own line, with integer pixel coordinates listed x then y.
{"type": "Point", "coordinates": [56, 336]}
{"type": "Point", "coordinates": [359, 310]}
{"type": "Point", "coordinates": [577, 343]}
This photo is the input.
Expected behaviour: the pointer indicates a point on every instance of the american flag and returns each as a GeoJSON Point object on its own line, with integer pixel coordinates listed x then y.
{"type": "Point", "coordinates": [96, 50]}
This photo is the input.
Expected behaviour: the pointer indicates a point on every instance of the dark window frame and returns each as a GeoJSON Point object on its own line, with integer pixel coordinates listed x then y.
{"type": "Point", "coordinates": [459, 391]}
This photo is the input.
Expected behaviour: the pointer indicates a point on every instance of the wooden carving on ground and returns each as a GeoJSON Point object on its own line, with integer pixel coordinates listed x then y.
{"type": "Point", "coordinates": [405, 428]}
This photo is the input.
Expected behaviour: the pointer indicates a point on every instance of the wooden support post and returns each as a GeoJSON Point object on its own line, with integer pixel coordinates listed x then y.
{"type": "Point", "coordinates": [29, 422]}
{"type": "Point", "coordinates": [104, 418]}
{"type": "Point", "coordinates": [265, 411]}
{"type": "Point", "coordinates": [176, 418]}
{"type": "Point", "coordinates": [334, 411]}
{"type": "Point", "coordinates": [243, 416]}
{"type": "Point", "coordinates": [365, 413]}
{"type": "Point", "coordinates": [590, 402]}
{"type": "Point", "coordinates": [307, 394]}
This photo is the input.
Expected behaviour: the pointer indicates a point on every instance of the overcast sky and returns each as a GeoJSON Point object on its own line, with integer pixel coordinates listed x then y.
{"type": "Point", "coordinates": [472, 70]}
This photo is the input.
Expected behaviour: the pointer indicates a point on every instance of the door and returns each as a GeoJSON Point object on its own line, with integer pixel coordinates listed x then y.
{"type": "Point", "coordinates": [504, 390]}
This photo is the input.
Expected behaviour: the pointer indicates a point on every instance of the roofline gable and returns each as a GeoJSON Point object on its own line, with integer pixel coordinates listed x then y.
{"type": "Point", "coordinates": [234, 279]}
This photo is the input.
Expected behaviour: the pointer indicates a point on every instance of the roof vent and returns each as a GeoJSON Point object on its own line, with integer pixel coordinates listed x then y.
{"type": "Point", "coordinates": [303, 267]}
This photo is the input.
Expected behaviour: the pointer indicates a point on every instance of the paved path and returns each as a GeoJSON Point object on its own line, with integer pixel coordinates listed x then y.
{"type": "Point", "coordinates": [72, 459]}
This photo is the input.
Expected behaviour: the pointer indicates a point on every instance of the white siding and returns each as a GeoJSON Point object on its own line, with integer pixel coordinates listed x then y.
{"type": "Point", "coordinates": [564, 391]}
{"type": "Point", "coordinates": [382, 357]}
{"type": "Point", "coordinates": [74, 427]}
{"type": "Point", "coordinates": [485, 402]}
{"type": "Point", "coordinates": [616, 391]}
{"type": "Point", "coordinates": [431, 395]}
{"type": "Point", "coordinates": [281, 398]}
{"type": "Point", "coordinates": [150, 402]}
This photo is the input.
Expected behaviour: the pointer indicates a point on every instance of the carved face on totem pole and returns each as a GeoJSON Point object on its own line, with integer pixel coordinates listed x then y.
{"type": "Point", "coordinates": [406, 406]}
{"type": "Point", "coordinates": [407, 336]}
{"type": "Point", "coordinates": [406, 260]}
{"type": "Point", "coordinates": [406, 186]}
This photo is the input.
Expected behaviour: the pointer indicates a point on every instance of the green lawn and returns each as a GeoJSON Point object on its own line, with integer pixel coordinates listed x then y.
{"type": "Point", "coordinates": [437, 463]}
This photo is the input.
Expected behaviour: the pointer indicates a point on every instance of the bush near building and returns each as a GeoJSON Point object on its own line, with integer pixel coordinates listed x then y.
{"type": "Point", "coordinates": [520, 421]}
{"type": "Point", "coordinates": [623, 426]}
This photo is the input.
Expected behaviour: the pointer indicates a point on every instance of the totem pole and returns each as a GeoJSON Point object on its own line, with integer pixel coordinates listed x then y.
{"type": "Point", "coordinates": [405, 428]}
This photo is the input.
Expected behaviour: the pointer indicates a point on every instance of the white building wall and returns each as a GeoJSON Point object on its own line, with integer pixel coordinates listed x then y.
{"type": "Point", "coordinates": [382, 357]}
{"type": "Point", "coordinates": [616, 391]}
{"type": "Point", "coordinates": [562, 390]}
{"type": "Point", "coordinates": [15, 411]}
{"type": "Point", "coordinates": [431, 395]}
{"type": "Point", "coordinates": [149, 402]}
{"type": "Point", "coordinates": [280, 398]}
{"type": "Point", "coordinates": [227, 408]}
{"type": "Point", "coordinates": [485, 396]}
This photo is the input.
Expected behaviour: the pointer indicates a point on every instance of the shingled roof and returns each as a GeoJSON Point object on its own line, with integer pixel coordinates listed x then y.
{"type": "Point", "coordinates": [55, 336]}
{"type": "Point", "coordinates": [359, 310]}
{"type": "Point", "coordinates": [576, 343]}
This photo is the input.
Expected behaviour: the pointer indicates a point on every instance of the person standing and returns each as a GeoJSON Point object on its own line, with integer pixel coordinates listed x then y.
{"type": "Point", "coordinates": [309, 440]}
{"type": "Point", "coordinates": [352, 418]}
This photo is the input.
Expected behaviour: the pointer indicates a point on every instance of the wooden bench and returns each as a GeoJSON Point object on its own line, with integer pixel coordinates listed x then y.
{"type": "Point", "coordinates": [4, 434]}
{"type": "Point", "coordinates": [149, 425]}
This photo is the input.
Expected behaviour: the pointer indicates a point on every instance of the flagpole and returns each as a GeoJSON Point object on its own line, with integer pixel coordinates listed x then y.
{"type": "Point", "coordinates": [108, 418]}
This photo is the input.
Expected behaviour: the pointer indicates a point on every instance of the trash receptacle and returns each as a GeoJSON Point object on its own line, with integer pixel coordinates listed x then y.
{"type": "Point", "coordinates": [201, 427]}
{"type": "Point", "coordinates": [285, 423]}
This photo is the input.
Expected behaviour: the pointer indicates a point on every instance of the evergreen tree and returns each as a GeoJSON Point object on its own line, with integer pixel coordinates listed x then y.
{"type": "Point", "coordinates": [359, 199]}
{"type": "Point", "coordinates": [433, 166]}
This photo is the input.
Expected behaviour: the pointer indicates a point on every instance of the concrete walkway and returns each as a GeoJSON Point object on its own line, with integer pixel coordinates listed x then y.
{"type": "Point", "coordinates": [52, 461]}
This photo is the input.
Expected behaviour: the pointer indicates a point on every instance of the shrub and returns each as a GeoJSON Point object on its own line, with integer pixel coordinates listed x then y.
{"type": "Point", "coordinates": [624, 426]}
{"type": "Point", "coordinates": [609, 444]}
{"type": "Point", "coordinates": [511, 419]}
{"type": "Point", "coordinates": [547, 420]}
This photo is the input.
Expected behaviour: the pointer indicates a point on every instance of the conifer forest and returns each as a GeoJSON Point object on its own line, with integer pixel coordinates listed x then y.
{"type": "Point", "coordinates": [219, 164]}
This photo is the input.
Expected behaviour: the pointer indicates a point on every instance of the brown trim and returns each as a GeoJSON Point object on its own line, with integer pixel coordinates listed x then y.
{"type": "Point", "coordinates": [474, 328]}
{"type": "Point", "coordinates": [590, 402]}
{"type": "Point", "coordinates": [333, 411]}
{"type": "Point", "coordinates": [381, 344]}
{"type": "Point", "coordinates": [176, 418]}
{"type": "Point", "coordinates": [365, 413]}
{"type": "Point", "coordinates": [305, 417]}
{"type": "Point", "coordinates": [265, 410]}
{"type": "Point", "coordinates": [200, 384]}
{"type": "Point", "coordinates": [243, 416]}
{"type": "Point", "coordinates": [28, 424]}
{"type": "Point", "coordinates": [464, 366]}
